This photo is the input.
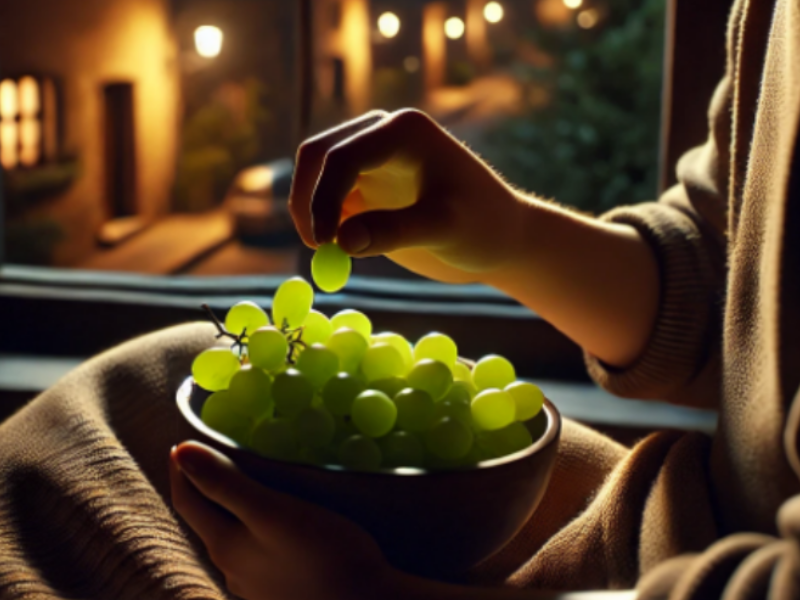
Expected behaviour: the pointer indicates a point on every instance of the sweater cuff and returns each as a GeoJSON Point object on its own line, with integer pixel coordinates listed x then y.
{"type": "Point", "coordinates": [679, 343]}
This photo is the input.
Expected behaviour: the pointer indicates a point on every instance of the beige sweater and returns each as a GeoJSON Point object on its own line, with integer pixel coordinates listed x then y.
{"type": "Point", "coordinates": [84, 508]}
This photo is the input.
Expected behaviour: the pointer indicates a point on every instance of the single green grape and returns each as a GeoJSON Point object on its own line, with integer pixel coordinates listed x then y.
{"type": "Point", "coordinates": [245, 316]}
{"type": "Point", "coordinates": [373, 413]}
{"type": "Point", "coordinates": [457, 408]}
{"type": "Point", "coordinates": [528, 398]}
{"type": "Point", "coordinates": [493, 409]}
{"type": "Point", "coordinates": [349, 346]}
{"type": "Point", "coordinates": [340, 391]}
{"type": "Point", "coordinates": [493, 372]}
{"type": "Point", "coordinates": [360, 453]}
{"type": "Point", "coordinates": [292, 392]}
{"type": "Point", "coordinates": [458, 392]}
{"type": "Point", "coordinates": [401, 344]}
{"type": "Point", "coordinates": [318, 364]}
{"type": "Point", "coordinates": [431, 376]}
{"type": "Point", "coordinates": [501, 442]}
{"type": "Point", "coordinates": [467, 387]}
{"type": "Point", "coordinates": [344, 430]}
{"type": "Point", "coordinates": [352, 319]}
{"type": "Point", "coordinates": [415, 410]}
{"type": "Point", "coordinates": [317, 328]}
{"type": "Point", "coordinates": [314, 427]}
{"type": "Point", "coordinates": [275, 438]}
{"type": "Point", "coordinates": [213, 369]}
{"type": "Point", "coordinates": [448, 438]}
{"type": "Point", "coordinates": [436, 346]}
{"type": "Point", "coordinates": [267, 348]}
{"type": "Point", "coordinates": [218, 415]}
{"type": "Point", "coordinates": [402, 449]}
{"type": "Point", "coordinates": [330, 267]}
{"type": "Point", "coordinates": [251, 393]}
{"type": "Point", "coordinates": [389, 385]}
{"type": "Point", "coordinates": [381, 361]}
{"type": "Point", "coordinates": [462, 372]}
{"type": "Point", "coordinates": [292, 303]}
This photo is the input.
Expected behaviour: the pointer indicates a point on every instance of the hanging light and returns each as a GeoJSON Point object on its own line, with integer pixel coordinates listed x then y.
{"type": "Point", "coordinates": [208, 40]}
{"type": "Point", "coordinates": [454, 28]}
{"type": "Point", "coordinates": [493, 12]}
{"type": "Point", "coordinates": [389, 24]}
{"type": "Point", "coordinates": [573, 4]}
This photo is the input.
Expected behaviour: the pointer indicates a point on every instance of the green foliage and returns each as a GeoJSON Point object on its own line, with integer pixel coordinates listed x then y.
{"type": "Point", "coordinates": [593, 143]}
{"type": "Point", "coordinates": [218, 140]}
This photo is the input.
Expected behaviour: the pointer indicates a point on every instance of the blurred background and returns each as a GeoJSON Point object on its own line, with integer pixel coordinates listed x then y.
{"type": "Point", "coordinates": [157, 136]}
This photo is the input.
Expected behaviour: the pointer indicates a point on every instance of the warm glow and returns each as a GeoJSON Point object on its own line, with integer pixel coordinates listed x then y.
{"type": "Point", "coordinates": [30, 133]}
{"type": "Point", "coordinates": [573, 3]}
{"type": "Point", "coordinates": [208, 40]}
{"type": "Point", "coordinates": [389, 24]}
{"type": "Point", "coordinates": [8, 144]}
{"type": "Point", "coordinates": [588, 18]}
{"type": "Point", "coordinates": [411, 64]}
{"type": "Point", "coordinates": [256, 179]}
{"type": "Point", "coordinates": [8, 99]}
{"type": "Point", "coordinates": [28, 97]}
{"type": "Point", "coordinates": [454, 28]}
{"type": "Point", "coordinates": [493, 12]}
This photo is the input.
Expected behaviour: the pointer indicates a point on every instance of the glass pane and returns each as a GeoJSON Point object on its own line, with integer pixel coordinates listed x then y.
{"type": "Point", "coordinates": [8, 99]}
{"type": "Point", "coordinates": [9, 139]}
{"type": "Point", "coordinates": [28, 97]}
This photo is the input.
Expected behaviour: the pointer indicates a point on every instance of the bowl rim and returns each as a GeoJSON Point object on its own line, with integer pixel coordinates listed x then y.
{"type": "Point", "coordinates": [551, 433]}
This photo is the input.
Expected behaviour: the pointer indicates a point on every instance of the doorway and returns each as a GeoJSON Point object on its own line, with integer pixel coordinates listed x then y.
{"type": "Point", "coordinates": [120, 150]}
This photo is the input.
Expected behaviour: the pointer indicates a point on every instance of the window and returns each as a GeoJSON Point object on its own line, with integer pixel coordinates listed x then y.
{"type": "Point", "coordinates": [27, 121]}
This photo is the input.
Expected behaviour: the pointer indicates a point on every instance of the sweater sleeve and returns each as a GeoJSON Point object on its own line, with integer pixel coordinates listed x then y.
{"type": "Point", "coordinates": [686, 230]}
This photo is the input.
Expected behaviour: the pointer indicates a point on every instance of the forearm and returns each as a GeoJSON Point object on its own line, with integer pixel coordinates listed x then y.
{"type": "Point", "coordinates": [596, 282]}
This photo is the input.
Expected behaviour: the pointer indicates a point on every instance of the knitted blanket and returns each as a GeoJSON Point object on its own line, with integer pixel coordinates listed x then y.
{"type": "Point", "coordinates": [85, 510]}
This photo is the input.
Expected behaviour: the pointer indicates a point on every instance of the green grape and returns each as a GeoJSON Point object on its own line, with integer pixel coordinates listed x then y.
{"type": "Point", "coordinates": [360, 453]}
{"type": "Point", "coordinates": [509, 439]}
{"type": "Point", "coordinates": [352, 319]}
{"type": "Point", "coordinates": [415, 409]}
{"type": "Point", "coordinates": [389, 385]}
{"type": "Point", "coordinates": [292, 392]}
{"type": "Point", "coordinates": [436, 346]}
{"type": "Point", "coordinates": [317, 328]}
{"type": "Point", "coordinates": [314, 427]}
{"type": "Point", "coordinates": [493, 409]}
{"type": "Point", "coordinates": [431, 376]}
{"type": "Point", "coordinates": [267, 349]}
{"type": "Point", "coordinates": [350, 347]}
{"type": "Point", "coordinates": [245, 316]}
{"type": "Point", "coordinates": [218, 415]}
{"type": "Point", "coordinates": [448, 438]}
{"type": "Point", "coordinates": [318, 363]}
{"type": "Point", "coordinates": [330, 267]}
{"type": "Point", "coordinates": [528, 398]}
{"type": "Point", "coordinates": [457, 408]}
{"type": "Point", "coordinates": [344, 430]}
{"type": "Point", "coordinates": [340, 391]}
{"type": "Point", "coordinates": [373, 413]}
{"type": "Point", "coordinates": [251, 393]}
{"type": "Point", "coordinates": [381, 361]}
{"type": "Point", "coordinates": [466, 387]}
{"type": "Point", "coordinates": [401, 344]}
{"type": "Point", "coordinates": [458, 392]}
{"type": "Point", "coordinates": [292, 303]}
{"type": "Point", "coordinates": [275, 438]}
{"type": "Point", "coordinates": [402, 449]}
{"type": "Point", "coordinates": [493, 372]}
{"type": "Point", "coordinates": [213, 369]}
{"type": "Point", "coordinates": [461, 372]}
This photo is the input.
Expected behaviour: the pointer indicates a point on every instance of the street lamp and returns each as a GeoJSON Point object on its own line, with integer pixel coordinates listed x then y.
{"type": "Point", "coordinates": [389, 25]}
{"type": "Point", "coordinates": [493, 12]}
{"type": "Point", "coordinates": [208, 40]}
{"type": "Point", "coordinates": [454, 28]}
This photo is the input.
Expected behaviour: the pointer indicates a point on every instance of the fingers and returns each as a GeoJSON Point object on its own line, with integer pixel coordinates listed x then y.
{"type": "Point", "coordinates": [213, 525]}
{"type": "Point", "coordinates": [310, 158]}
{"type": "Point", "coordinates": [402, 133]}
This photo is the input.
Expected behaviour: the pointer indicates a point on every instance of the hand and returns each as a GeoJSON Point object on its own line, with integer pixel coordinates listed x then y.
{"type": "Point", "coordinates": [398, 184]}
{"type": "Point", "coordinates": [269, 544]}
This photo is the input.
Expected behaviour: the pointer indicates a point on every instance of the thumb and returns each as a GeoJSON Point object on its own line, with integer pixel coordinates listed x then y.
{"type": "Point", "coordinates": [383, 231]}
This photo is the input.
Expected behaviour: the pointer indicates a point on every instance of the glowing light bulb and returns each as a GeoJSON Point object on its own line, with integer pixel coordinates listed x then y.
{"type": "Point", "coordinates": [389, 24]}
{"type": "Point", "coordinates": [454, 28]}
{"type": "Point", "coordinates": [573, 3]}
{"type": "Point", "coordinates": [208, 40]}
{"type": "Point", "coordinates": [493, 12]}
{"type": "Point", "coordinates": [588, 18]}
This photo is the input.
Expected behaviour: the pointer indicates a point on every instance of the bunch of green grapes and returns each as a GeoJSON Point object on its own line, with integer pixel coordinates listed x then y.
{"type": "Point", "coordinates": [305, 387]}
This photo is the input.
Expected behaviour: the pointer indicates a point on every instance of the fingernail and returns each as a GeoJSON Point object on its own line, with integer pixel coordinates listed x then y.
{"type": "Point", "coordinates": [190, 463]}
{"type": "Point", "coordinates": [357, 239]}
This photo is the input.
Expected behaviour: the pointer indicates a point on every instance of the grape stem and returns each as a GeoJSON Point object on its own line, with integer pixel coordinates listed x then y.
{"type": "Point", "coordinates": [293, 341]}
{"type": "Point", "coordinates": [238, 340]}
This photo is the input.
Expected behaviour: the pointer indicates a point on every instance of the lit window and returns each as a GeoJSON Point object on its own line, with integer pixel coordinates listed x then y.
{"type": "Point", "coordinates": [27, 121]}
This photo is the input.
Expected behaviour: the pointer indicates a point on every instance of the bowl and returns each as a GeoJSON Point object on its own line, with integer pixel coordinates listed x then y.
{"type": "Point", "coordinates": [436, 524]}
